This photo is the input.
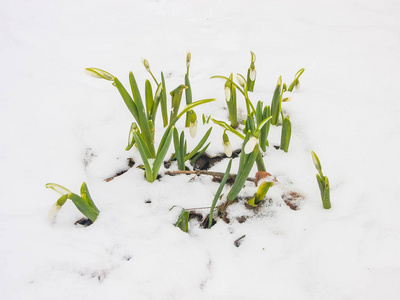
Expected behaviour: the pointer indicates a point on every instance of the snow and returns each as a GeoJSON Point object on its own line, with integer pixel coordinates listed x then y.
{"type": "Point", "coordinates": [60, 125]}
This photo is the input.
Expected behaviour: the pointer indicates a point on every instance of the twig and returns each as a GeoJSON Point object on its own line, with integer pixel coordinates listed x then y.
{"type": "Point", "coordinates": [238, 241]}
{"type": "Point", "coordinates": [216, 175]}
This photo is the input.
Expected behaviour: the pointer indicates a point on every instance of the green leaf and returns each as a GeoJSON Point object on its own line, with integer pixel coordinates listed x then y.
{"type": "Point", "coordinates": [145, 155]}
{"type": "Point", "coordinates": [87, 210]}
{"type": "Point", "coordinates": [143, 122]}
{"type": "Point", "coordinates": [178, 149]}
{"type": "Point", "coordinates": [200, 153]}
{"type": "Point", "coordinates": [227, 127]}
{"type": "Point", "coordinates": [183, 221]}
{"type": "Point", "coordinates": [246, 162]}
{"type": "Point", "coordinates": [162, 151]}
{"type": "Point", "coordinates": [176, 100]}
{"type": "Point", "coordinates": [326, 201]}
{"type": "Point", "coordinates": [219, 191]}
{"type": "Point", "coordinates": [86, 196]}
{"type": "Point", "coordinates": [127, 99]}
{"type": "Point", "coordinates": [149, 99]}
{"type": "Point", "coordinates": [188, 96]}
{"type": "Point", "coordinates": [199, 145]}
{"type": "Point", "coordinates": [164, 111]}
{"type": "Point", "coordinates": [62, 199]}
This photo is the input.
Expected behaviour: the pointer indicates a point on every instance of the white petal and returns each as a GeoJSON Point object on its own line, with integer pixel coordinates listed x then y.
{"type": "Point", "coordinates": [227, 93]}
{"type": "Point", "coordinates": [251, 143]}
{"type": "Point", "coordinates": [253, 74]}
{"type": "Point", "coordinates": [54, 211]}
{"type": "Point", "coordinates": [227, 149]}
{"type": "Point", "coordinates": [193, 129]}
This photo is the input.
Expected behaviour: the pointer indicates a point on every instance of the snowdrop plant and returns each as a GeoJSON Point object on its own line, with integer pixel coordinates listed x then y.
{"type": "Point", "coordinates": [260, 194]}
{"type": "Point", "coordinates": [251, 73]}
{"type": "Point", "coordinates": [142, 131]}
{"type": "Point", "coordinates": [323, 182]}
{"type": "Point", "coordinates": [286, 134]}
{"type": "Point", "coordinates": [183, 221]}
{"type": "Point", "coordinates": [152, 164]}
{"type": "Point", "coordinates": [83, 203]}
{"type": "Point", "coordinates": [188, 90]}
{"type": "Point", "coordinates": [230, 98]}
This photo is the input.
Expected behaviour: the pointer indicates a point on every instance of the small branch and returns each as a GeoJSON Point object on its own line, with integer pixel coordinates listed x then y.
{"type": "Point", "coordinates": [216, 175]}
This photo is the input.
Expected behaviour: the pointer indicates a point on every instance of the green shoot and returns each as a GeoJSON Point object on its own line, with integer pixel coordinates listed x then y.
{"type": "Point", "coordinates": [183, 221]}
{"type": "Point", "coordinates": [286, 134]}
{"type": "Point", "coordinates": [323, 182]}
{"type": "Point", "coordinates": [260, 194]}
{"type": "Point", "coordinates": [84, 203]}
{"type": "Point", "coordinates": [219, 191]}
{"type": "Point", "coordinates": [276, 102]}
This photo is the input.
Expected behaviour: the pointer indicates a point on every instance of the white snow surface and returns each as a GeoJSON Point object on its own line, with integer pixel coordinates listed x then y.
{"type": "Point", "coordinates": [60, 125]}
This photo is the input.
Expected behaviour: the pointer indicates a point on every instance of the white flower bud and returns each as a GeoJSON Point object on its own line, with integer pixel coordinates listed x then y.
{"type": "Point", "coordinates": [251, 143]}
{"type": "Point", "coordinates": [193, 129]}
{"type": "Point", "coordinates": [146, 65]}
{"type": "Point", "coordinates": [55, 208]}
{"type": "Point", "coordinates": [227, 93]}
{"type": "Point", "coordinates": [253, 74]}
{"type": "Point", "coordinates": [98, 73]}
{"type": "Point", "coordinates": [227, 145]}
{"type": "Point", "coordinates": [241, 80]}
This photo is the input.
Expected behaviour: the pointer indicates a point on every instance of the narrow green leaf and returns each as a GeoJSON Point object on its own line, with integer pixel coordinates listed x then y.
{"type": "Point", "coordinates": [188, 96]}
{"type": "Point", "coordinates": [199, 145]}
{"type": "Point", "coordinates": [183, 221]}
{"type": "Point", "coordinates": [88, 211]}
{"type": "Point", "coordinates": [127, 99]}
{"type": "Point", "coordinates": [164, 111]}
{"type": "Point", "coordinates": [162, 152]}
{"type": "Point", "coordinates": [199, 154]}
{"type": "Point", "coordinates": [178, 149]}
{"type": "Point", "coordinates": [326, 197]}
{"type": "Point", "coordinates": [149, 99]}
{"type": "Point", "coordinates": [243, 175]}
{"type": "Point", "coordinates": [219, 191]}
{"type": "Point", "coordinates": [145, 155]}
{"type": "Point", "coordinates": [143, 122]}
{"type": "Point", "coordinates": [227, 127]}
{"type": "Point", "coordinates": [86, 196]}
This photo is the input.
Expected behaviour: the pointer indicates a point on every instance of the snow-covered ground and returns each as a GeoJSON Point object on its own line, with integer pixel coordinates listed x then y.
{"type": "Point", "coordinates": [60, 125]}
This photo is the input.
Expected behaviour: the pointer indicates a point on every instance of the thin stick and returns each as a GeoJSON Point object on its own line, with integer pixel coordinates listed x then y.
{"type": "Point", "coordinates": [218, 175]}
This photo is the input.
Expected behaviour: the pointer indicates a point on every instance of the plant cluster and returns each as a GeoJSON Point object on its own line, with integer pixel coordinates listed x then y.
{"type": "Point", "coordinates": [254, 133]}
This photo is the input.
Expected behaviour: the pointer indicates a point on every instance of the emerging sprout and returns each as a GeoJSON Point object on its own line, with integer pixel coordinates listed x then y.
{"type": "Point", "coordinates": [188, 59]}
